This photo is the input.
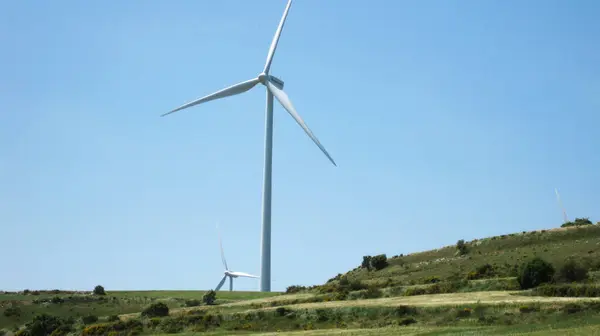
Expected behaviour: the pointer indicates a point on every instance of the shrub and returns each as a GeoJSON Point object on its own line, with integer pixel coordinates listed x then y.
{"type": "Point", "coordinates": [485, 271]}
{"type": "Point", "coordinates": [366, 263]}
{"type": "Point", "coordinates": [12, 312]}
{"type": "Point", "coordinates": [158, 309]}
{"type": "Point", "coordinates": [295, 289]}
{"type": "Point", "coordinates": [578, 222]}
{"type": "Point", "coordinates": [43, 325]}
{"type": "Point", "coordinates": [89, 319]}
{"type": "Point", "coordinates": [379, 262]}
{"type": "Point", "coordinates": [464, 312]}
{"type": "Point", "coordinates": [568, 290]}
{"type": "Point", "coordinates": [192, 303]}
{"type": "Point", "coordinates": [403, 310]}
{"type": "Point", "coordinates": [282, 311]}
{"type": "Point", "coordinates": [210, 297]}
{"type": "Point", "coordinates": [171, 326]}
{"type": "Point", "coordinates": [461, 247]}
{"type": "Point", "coordinates": [57, 300]}
{"type": "Point", "coordinates": [370, 293]}
{"type": "Point", "coordinates": [431, 279]}
{"type": "Point", "coordinates": [407, 321]}
{"type": "Point", "coordinates": [571, 271]}
{"type": "Point", "coordinates": [535, 272]}
{"type": "Point", "coordinates": [572, 308]}
{"type": "Point", "coordinates": [113, 318]}
{"type": "Point", "coordinates": [99, 290]}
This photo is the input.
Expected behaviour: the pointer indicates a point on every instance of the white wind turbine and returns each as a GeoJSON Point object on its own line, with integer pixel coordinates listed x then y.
{"type": "Point", "coordinates": [274, 87]}
{"type": "Point", "coordinates": [229, 273]}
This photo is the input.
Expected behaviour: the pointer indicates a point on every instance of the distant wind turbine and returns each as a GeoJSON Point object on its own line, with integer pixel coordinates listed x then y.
{"type": "Point", "coordinates": [229, 274]}
{"type": "Point", "coordinates": [274, 87]}
{"type": "Point", "coordinates": [565, 218]}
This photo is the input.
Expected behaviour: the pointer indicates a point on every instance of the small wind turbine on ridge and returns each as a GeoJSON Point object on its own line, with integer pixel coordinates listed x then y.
{"type": "Point", "coordinates": [229, 274]}
{"type": "Point", "coordinates": [274, 87]}
{"type": "Point", "coordinates": [565, 218]}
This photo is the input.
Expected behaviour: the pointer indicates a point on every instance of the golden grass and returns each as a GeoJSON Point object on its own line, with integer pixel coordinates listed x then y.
{"type": "Point", "coordinates": [453, 299]}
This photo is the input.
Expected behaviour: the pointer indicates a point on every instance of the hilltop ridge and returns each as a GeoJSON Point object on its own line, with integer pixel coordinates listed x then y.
{"type": "Point", "coordinates": [504, 253]}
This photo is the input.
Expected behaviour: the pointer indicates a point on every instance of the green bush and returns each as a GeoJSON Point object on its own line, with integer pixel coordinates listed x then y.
{"type": "Point", "coordinates": [578, 222]}
{"type": "Point", "coordinates": [407, 321]}
{"type": "Point", "coordinates": [535, 272]}
{"type": "Point", "coordinates": [370, 293]}
{"type": "Point", "coordinates": [571, 271]}
{"type": "Point", "coordinates": [210, 297]}
{"type": "Point", "coordinates": [99, 290]}
{"type": "Point", "coordinates": [461, 247]}
{"type": "Point", "coordinates": [171, 326]}
{"type": "Point", "coordinates": [57, 300]}
{"type": "Point", "coordinates": [379, 262]}
{"type": "Point", "coordinates": [192, 303]}
{"type": "Point", "coordinates": [12, 312]}
{"type": "Point", "coordinates": [44, 324]}
{"type": "Point", "coordinates": [158, 309]}
{"type": "Point", "coordinates": [295, 289]}
{"type": "Point", "coordinates": [282, 311]}
{"type": "Point", "coordinates": [431, 279]}
{"type": "Point", "coordinates": [113, 318]}
{"type": "Point", "coordinates": [568, 290]}
{"type": "Point", "coordinates": [89, 319]}
{"type": "Point", "coordinates": [366, 263]}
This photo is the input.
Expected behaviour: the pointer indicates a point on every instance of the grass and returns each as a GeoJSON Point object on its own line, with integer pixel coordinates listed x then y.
{"type": "Point", "coordinates": [503, 252]}
{"type": "Point", "coordinates": [547, 324]}
{"type": "Point", "coordinates": [114, 303]}
{"type": "Point", "coordinates": [165, 294]}
{"type": "Point", "coordinates": [489, 306]}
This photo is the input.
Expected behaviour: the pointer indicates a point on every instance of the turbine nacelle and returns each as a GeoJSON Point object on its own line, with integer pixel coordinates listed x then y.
{"type": "Point", "coordinates": [230, 274]}
{"type": "Point", "coordinates": [263, 78]}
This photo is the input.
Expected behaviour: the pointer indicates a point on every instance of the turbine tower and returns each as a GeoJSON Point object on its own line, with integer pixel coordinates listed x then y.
{"type": "Point", "coordinates": [227, 272]}
{"type": "Point", "coordinates": [274, 87]}
{"type": "Point", "coordinates": [565, 218]}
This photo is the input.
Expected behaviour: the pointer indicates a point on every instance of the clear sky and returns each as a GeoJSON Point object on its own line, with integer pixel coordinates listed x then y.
{"type": "Point", "coordinates": [448, 120]}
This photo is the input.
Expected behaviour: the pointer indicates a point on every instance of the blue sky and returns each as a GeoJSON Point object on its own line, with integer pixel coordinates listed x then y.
{"type": "Point", "coordinates": [448, 120]}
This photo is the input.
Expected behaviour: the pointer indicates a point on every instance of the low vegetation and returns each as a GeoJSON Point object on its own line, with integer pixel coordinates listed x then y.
{"type": "Point", "coordinates": [540, 278]}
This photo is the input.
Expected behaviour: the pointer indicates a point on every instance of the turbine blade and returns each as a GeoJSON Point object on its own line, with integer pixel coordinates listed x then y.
{"type": "Point", "coordinates": [242, 274]}
{"type": "Point", "coordinates": [221, 283]}
{"type": "Point", "coordinates": [229, 91]}
{"type": "Point", "coordinates": [221, 247]}
{"type": "Point", "coordinates": [283, 98]}
{"type": "Point", "coordinates": [276, 38]}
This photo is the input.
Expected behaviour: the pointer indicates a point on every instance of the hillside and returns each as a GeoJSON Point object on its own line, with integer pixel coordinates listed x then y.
{"type": "Point", "coordinates": [469, 288]}
{"type": "Point", "coordinates": [504, 253]}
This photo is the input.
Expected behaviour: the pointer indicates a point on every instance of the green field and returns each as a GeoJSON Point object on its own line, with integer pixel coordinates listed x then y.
{"type": "Point", "coordinates": [438, 292]}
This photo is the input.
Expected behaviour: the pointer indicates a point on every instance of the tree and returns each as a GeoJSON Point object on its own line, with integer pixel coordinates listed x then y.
{"type": "Point", "coordinates": [379, 262]}
{"type": "Point", "coordinates": [366, 263]}
{"type": "Point", "coordinates": [210, 297]}
{"type": "Point", "coordinates": [535, 272]}
{"type": "Point", "coordinates": [571, 271]}
{"type": "Point", "coordinates": [99, 290]}
{"type": "Point", "coordinates": [578, 222]}
{"type": "Point", "coordinates": [461, 246]}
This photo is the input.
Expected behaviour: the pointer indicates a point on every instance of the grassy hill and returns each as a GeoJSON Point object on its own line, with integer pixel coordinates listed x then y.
{"type": "Point", "coordinates": [469, 288]}
{"type": "Point", "coordinates": [504, 253]}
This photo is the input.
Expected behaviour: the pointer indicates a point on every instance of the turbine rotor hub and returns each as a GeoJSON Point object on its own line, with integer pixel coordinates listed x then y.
{"type": "Point", "coordinates": [263, 78]}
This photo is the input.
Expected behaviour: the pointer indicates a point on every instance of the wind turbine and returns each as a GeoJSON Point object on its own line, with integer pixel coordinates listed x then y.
{"type": "Point", "coordinates": [274, 87]}
{"type": "Point", "coordinates": [229, 273]}
{"type": "Point", "coordinates": [565, 218]}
